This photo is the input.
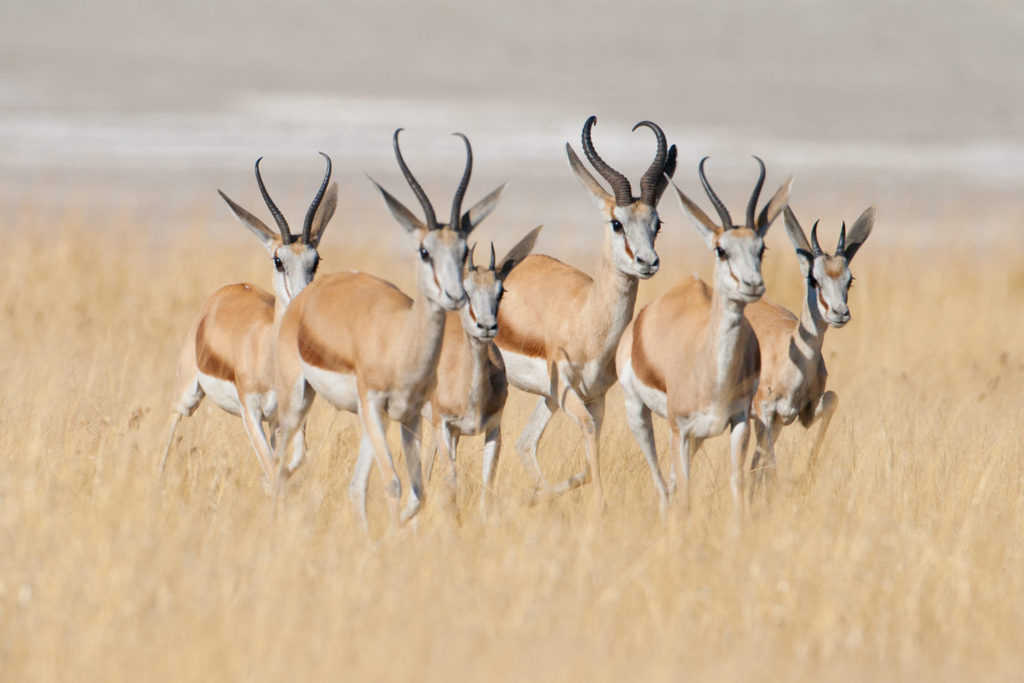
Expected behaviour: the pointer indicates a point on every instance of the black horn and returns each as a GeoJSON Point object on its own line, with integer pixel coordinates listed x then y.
{"type": "Point", "coordinates": [491, 267]}
{"type": "Point", "coordinates": [282, 224]}
{"type": "Point", "coordinates": [841, 247]}
{"type": "Point", "coordinates": [815, 247]}
{"type": "Point", "coordinates": [752, 204]}
{"type": "Point", "coordinates": [417, 190]}
{"type": "Point", "coordinates": [620, 185]}
{"type": "Point", "coordinates": [307, 225]}
{"type": "Point", "coordinates": [652, 176]}
{"type": "Point", "coordinates": [460, 192]}
{"type": "Point", "coordinates": [723, 213]}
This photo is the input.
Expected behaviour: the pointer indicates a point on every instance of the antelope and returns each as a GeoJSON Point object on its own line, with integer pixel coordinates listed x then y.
{"type": "Point", "coordinates": [228, 354]}
{"type": "Point", "coordinates": [558, 327]}
{"type": "Point", "coordinates": [471, 386]}
{"type": "Point", "coordinates": [691, 356]}
{"type": "Point", "coordinates": [367, 348]}
{"type": "Point", "coordinates": [793, 371]}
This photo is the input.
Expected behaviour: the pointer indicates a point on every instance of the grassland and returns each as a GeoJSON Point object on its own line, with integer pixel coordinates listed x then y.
{"type": "Point", "coordinates": [902, 559]}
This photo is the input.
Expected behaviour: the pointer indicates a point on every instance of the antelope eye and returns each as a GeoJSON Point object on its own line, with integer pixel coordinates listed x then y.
{"type": "Point", "coordinates": [720, 253]}
{"type": "Point", "coordinates": [657, 226]}
{"type": "Point", "coordinates": [616, 225]}
{"type": "Point", "coordinates": [316, 262]}
{"type": "Point", "coordinates": [278, 265]}
{"type": "Point", "coordinates": [424, 254]}
{"type": "Point", "coordinates": [761, 254]}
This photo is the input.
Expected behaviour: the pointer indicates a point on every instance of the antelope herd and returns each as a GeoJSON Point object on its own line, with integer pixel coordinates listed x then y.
{"type": "Point", "coordinates": [703, 357]}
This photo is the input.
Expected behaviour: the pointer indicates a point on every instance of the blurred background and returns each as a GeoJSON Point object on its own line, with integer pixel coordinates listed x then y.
{"type": "Point", "coordinates": [143, 109]}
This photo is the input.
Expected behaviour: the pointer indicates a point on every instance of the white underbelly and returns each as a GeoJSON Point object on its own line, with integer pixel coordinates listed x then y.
{"type": "Point", "coordinates": [656, 401]}
{"type": "Point", "coordinates": [338, 389]}
{"type": "Point", "coordinates": [221, 392]}
{"type": "Point", "coordinates": [528, 373]}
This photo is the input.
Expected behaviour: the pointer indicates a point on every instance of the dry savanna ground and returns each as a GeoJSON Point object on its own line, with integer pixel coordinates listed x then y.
{"type": "Point", "coordinates": [901, 559]}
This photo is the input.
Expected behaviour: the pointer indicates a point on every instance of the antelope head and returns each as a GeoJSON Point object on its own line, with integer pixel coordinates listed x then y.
{"type": "Point", "coordinates": [828, 276]}
{"type": "Point", "coordinates": [485, 287]}
{"type": "Point", "coordinates": [441, 248]}
{"type": "Point", "coordinates": [738, 249]}
{"type": "Point", "coordinates": [295, 257]}
{"type": "Point", "coordinates": [632, 223]}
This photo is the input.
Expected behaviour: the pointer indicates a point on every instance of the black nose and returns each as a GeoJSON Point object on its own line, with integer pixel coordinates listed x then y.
{"type": "Point", "coordinates": [643, 262]}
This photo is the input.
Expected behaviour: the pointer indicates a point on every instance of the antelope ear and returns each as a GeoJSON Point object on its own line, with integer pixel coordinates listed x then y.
{"type": "Point", "coordinates": [404, 217]}
{"type": "Point", "coordinates": [588, 181]}
{"type": "Point", "coordinates": [255, 225]}
{"type": "Point", "coordinates": [796, 233]}
{"type": "Point", "coordinates": [859, 232]}
{"type": "Point", "coordinates": [481, 210]}
{"type": "Point", "coordinates": [324, 213]}
{"type": "Point", "coordinates": [770, 212]}
{"type": "Point", "coordinates": [667, 173]}
{"type": "Point", "coordinates": [705, 226]}
{"type": "Point", "coordinates": [517, 253]}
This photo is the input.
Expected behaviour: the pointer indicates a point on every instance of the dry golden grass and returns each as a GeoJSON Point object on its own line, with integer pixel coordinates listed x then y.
{"type": "Point", "coordinates": [901, 560]}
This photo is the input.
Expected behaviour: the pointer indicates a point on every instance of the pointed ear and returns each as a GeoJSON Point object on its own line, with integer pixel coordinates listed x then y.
{"type": "Point", "coordinates": [258, 227]}
{"type": "Point", "coordinates": [859, 232]}
{"type": "Point", "coordinates": [796, 233]}
{"type": "Point", "coordinates": [481, 210]}
{"type": "Point", "coordinates": [667, 173]}
{"type": "Point", "coordinates": [517, 253]}
{"type": "Point", "coordinates": [707, 229]}
{"type": "Point", "coordinates": [770, 212]}
{"type": "Point", "coordinates": [323, 214]}
{"type": "Point", "coordinates": [404, 217]}
{"type": "Point", "coordinates": [597, 193]}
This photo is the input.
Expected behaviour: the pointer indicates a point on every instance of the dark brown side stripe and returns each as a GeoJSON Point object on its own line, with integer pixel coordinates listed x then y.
{"type": "Point", "coordinates": [644, 370]}
{"type": "Point", "coordinates": [208, 361]}
{"type": "Point", "coordinates": [316, 352]}
{"type": "Point", "coordinates": [518, 341]}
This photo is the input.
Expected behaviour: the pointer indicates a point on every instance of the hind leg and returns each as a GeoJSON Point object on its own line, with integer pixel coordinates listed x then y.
{"type": "Point", "coordinates": [190, 394]}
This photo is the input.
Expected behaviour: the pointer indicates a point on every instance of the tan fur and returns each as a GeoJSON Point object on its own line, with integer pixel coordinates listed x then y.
{"type": "Point", "coordinates": [233, 338]}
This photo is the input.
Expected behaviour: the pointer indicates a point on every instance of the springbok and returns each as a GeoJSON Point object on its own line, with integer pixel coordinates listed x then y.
{"type": "Point", "coordinates": [691, 356]}
{"type": "Point", "coordinates": [471, 385]}
{"type": "Point", "coordinates": [367, 348]}
{"type": "Point", "coordinates": [228, 354]}
{"type": "Point", "coordinates": [793, 371]}
{"type": "Point", "coordinates": [558, 328]}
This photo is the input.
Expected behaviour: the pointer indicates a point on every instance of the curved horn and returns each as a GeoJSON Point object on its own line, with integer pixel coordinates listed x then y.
{"type": "Point", "coordinates": [752, 204]}
{"type": "Point", "coordinates": [723, 213]}
{"type": "Point", "coordinates": [623, 192]}
{"type": "Point", "coordinates": [841, 247]}
{"type": "Point", "coordinates": [652, 176]}
{"type": "Point", "coordinates": [307, 225]}
{"type": "Point", "coordinates": [491, 267]}
{"type": "Point", "coordinates": [456, 220]}
{"type": "Point", "coordinates": [282, 224]}
{"type": "Point", "coordinates": [428, 210]}
{"type": "Point", "coordinates": [815, 247]}
{"type": "Point", "coordinates": [469, 257]}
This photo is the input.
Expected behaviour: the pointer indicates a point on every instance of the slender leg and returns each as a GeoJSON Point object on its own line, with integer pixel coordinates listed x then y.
{"type": "Point", "coordinates": [361, 479]}
{"type": "Point", "coordinates": [375, 428]}
{"type": "Point", "coordinates": [411, 447]}
{"type": "Point", "coordinates": [298, 450]}
{"type": "Point", "coordinates": [446, 440]}
{"type": "Point", "coordinates": [432, 452]}
{"type": "Point", "coordinates": [638, 416]}
{"type": "Point", "coordinates": [190, 397]}
{"type": "Point", "coordinates": [492, 449]}
{"type": "Point", "coordinates": [528, 440]}
{"type": "Point", "coordinates": [762, 463]}
{"type": "Point", "coordinates": [252, 421]}
{"type": "Point", "coordinates": [739, 439]}
{"type": "Point", "coordinates": [824, 410]}
{"type": "Point", "coordinates": [688, 445]}
{"type": "Point", "coordinates": [589, 417]}
{"type": "Point", "coordinates": [291, 416]}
